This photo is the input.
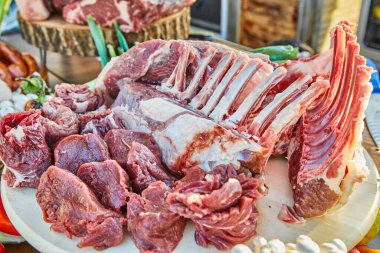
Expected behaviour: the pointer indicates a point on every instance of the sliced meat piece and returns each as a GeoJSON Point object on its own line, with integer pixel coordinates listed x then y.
{"type": "Point", "coordinates": [222, 206]}
{"type": "Point", "coordinates": [75, 150]}
{"type": "Point", "coordinates": [23, 148]}
{"type": "Point", "coordinates": [61, 122]}
{"type": "Point", "coordinates": [79, 98]}
{"type": "Point", "coordinates": [99, 122]}
{"type": "Point", "coordinates": [153, 227]}
{"type": "Point", "coordinates": [119, 142]}
{"type": "Point", "coordinates": [108, 181]}
{"type": "Point", "coordinates": [144, 168]}
{"type": "Point", "coordinates": [73, 209]}
{"type": "Point", "coordinates": [34, 10]}
{"type": "Point", "coordinates": [58, 5]}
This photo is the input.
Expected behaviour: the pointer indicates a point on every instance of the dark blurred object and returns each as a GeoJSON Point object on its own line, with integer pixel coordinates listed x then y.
{"type": "Point", "coordinates": [369, 29]}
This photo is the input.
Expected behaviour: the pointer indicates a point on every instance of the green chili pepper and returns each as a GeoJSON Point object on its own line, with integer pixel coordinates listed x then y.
{"type": "Point", "coordinates": [278, 53]}
{"type": "Point", "coordinates": [120, 37]}
{"type": "Point", "coordinates": [111, 50]}
{"type": "Point", "coordinates": [98, 37]}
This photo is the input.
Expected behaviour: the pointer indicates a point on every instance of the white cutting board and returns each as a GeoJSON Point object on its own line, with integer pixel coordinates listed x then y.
{"type": "Point", "coordinates": [350, 223]}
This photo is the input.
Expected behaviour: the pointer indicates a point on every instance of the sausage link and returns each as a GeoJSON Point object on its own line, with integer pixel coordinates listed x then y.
{"type": "Point", "coordinates": [5, 75]}
{"type": "Point", "coordinates": [31, 63]}
{"type": "Point", "coordinates": [18, 68]}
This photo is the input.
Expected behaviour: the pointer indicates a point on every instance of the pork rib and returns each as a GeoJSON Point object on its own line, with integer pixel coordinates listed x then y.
{"type": "Point", "coordinates": [322, 169]}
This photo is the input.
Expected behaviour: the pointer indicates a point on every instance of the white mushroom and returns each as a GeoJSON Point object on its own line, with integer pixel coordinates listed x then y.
{"type": "Point", "coordinates": [241, 248]}
{"type": "Point", "coordinates": [306, 245]}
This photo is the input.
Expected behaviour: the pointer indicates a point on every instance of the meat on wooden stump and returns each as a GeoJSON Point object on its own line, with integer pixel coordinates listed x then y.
{"type": "Point", "coordinates": [75, 150]}
{"type": "Point", "coordinates": [108, 181]}
{"type": "Point", "coordinates": [153, 227]}
{"type": "Point", "coordinates": [23, 148]}
{"type": "Point", "coordinates": [73, 209]}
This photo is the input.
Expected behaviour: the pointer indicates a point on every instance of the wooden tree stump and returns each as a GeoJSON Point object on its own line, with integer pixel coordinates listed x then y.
{"type": "Point", "coordinates": [59, 36]}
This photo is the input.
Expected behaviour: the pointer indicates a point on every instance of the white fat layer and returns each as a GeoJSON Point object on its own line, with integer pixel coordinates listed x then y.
{"type": "Point", "coordinates": [235, 87]}
{"type": "Point", "coordinates": [218, 92]}
{"type": "Point", "coordinates": [81, 106]}
{"type": "Point", "coordinates": [130, 120]}
{"type": "Point", "coordinates": [160, 109]}
{"type": "Point", "coordinates": [175, 139]}
{"type": "Point", "coordinates": [20, 178]}
{"type": "Point", "coordinates": [18, 133]}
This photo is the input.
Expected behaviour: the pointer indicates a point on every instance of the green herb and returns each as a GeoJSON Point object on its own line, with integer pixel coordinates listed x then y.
{"type": "Point", "coordinates": [35, 85]}
{"type": "Point", "coordinates": [111, 50]}
{"type": "Point", "coordinates": [4, 7]}
{"type": "Point", "coordinates": [120, 37]}
{"type": "Point", "coordinates": [278, 53]}
{"type": "Point", "coordinates": [97, 35]}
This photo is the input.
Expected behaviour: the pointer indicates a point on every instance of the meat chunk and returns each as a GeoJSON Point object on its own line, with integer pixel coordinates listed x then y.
{"type": "Point", "coordinates": [99, 122]}
{"type": "Point", "coordinates": [33, 9]}
{"type": "Point", "coordinates": [23, 148]}
{"type": "Point", "coordinates": [119, 142]}
{"type": "Point", "coordinates": [61, 122]}
{"type": "Point", "coordinates": [58, 5]}
{"type": "Point", "coordinates": [73, 209]}
{"type": "Point", "coordinates": [222, 206]}
{"type": "Point", "coordinates": [131, 15]}
{"type": "Point", "coordinates": [79, 98]}
{"type": "Point", "coordinates": [108, 181]}
{"type": "Point", "coordinates": [75, 150]}
{"type": "Point", "coordinates": [144, 168]}
{"type": "Point", "coordinates": [153, 227]}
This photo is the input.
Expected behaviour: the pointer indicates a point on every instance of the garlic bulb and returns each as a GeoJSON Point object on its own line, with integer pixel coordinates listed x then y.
{"type": "Point", "coordinates": [303, 245]}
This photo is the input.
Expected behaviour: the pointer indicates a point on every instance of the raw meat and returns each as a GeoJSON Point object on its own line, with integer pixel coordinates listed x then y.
{"type": "Point", "coordinates": [61, 122]}
{"type": "Point", "coordinates": [108, 181]}
{"type": "Point", "coordinates": [75, 150]}
{"type": "Point", "coordinates": [132, 15]}
{"type": "Point", "coordinates": [99, 122]}
{"type": "Point", "coordinates": [23, 148]}
{"type": "Point", "coordinates": [73, 209]}
{"type": "Point", "coordinates": [60, 4]}
{"type": "Point", "coordinates": [144, 168]}
{"type": "Point", "coordinates": [119, 142]}
{"type": "Point", "coordinates": [153, 227]}
{"type": "Point", "coordinates": [325, 155]}
{"type": "Point", "coordinates": [33, 9]}
{"type": "Point", "coordinates": [78, 98]}
{"type": "Point", "coordinates": [222, 206]}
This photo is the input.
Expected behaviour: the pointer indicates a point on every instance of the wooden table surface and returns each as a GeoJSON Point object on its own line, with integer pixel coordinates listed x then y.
{"type": "Point", "coordinates": [79, 70]}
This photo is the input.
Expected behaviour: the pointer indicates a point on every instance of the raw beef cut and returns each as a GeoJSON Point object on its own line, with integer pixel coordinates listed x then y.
{"type": "Point", "coordinates": [33, 9]}
{"type": "Point", "coordinates": [153, 227]}
{"type": "Point", "coordinates": [73, 209]}
{"type": "Point", "coordinates": [132, 15]}
{"type": "Point", "coordinates": [61, 122]}
{"type": "Point", "coordinates": [119, 142]}
{"type": "Point", "coordinates": [144, 168]}
{"type": "Point", "coordinates": [325, 155]}
{"type": "Point", "coordinates": [75, 150]}
{"type": "Point", "coordinates": [78, 98]}
{"type": "Point", "coordinates": [99, 122]}
{"type": "Point", "coordinates": [23, 148]}
{"type": "Point", "coordinates": [222, 206]}
{"type": "Point", "coordinates": [58, 5]}
{"type": "Point", "coordinates": [108, 181]}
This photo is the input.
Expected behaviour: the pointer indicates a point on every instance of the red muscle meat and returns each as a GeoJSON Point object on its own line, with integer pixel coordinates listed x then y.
{"type": "Point", "coordinates": [99, 122]}
{"type": "Point", "coordinates": [108, 181]}
{"type": "Point", "coordinates": [73, 209]}
{"type": "Point", "coordinates": [23, 148]}
{"type": "Point", "coordinates": [78, 98]}
{"type": "Point", "coordinates": [119, 142]}
{"type": "Point", "coordinates": [75, 150]}
{"type": "Point", "coordinates": [61, 122]}
{"type": "Point", "coordinates": [153, 227]}
{"type": "Point", "coordinates": [222, 206]}
{"type": "Point", "coordinates": [324, 153]}
{"type": "Point", "coordinates": [144, 168]}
